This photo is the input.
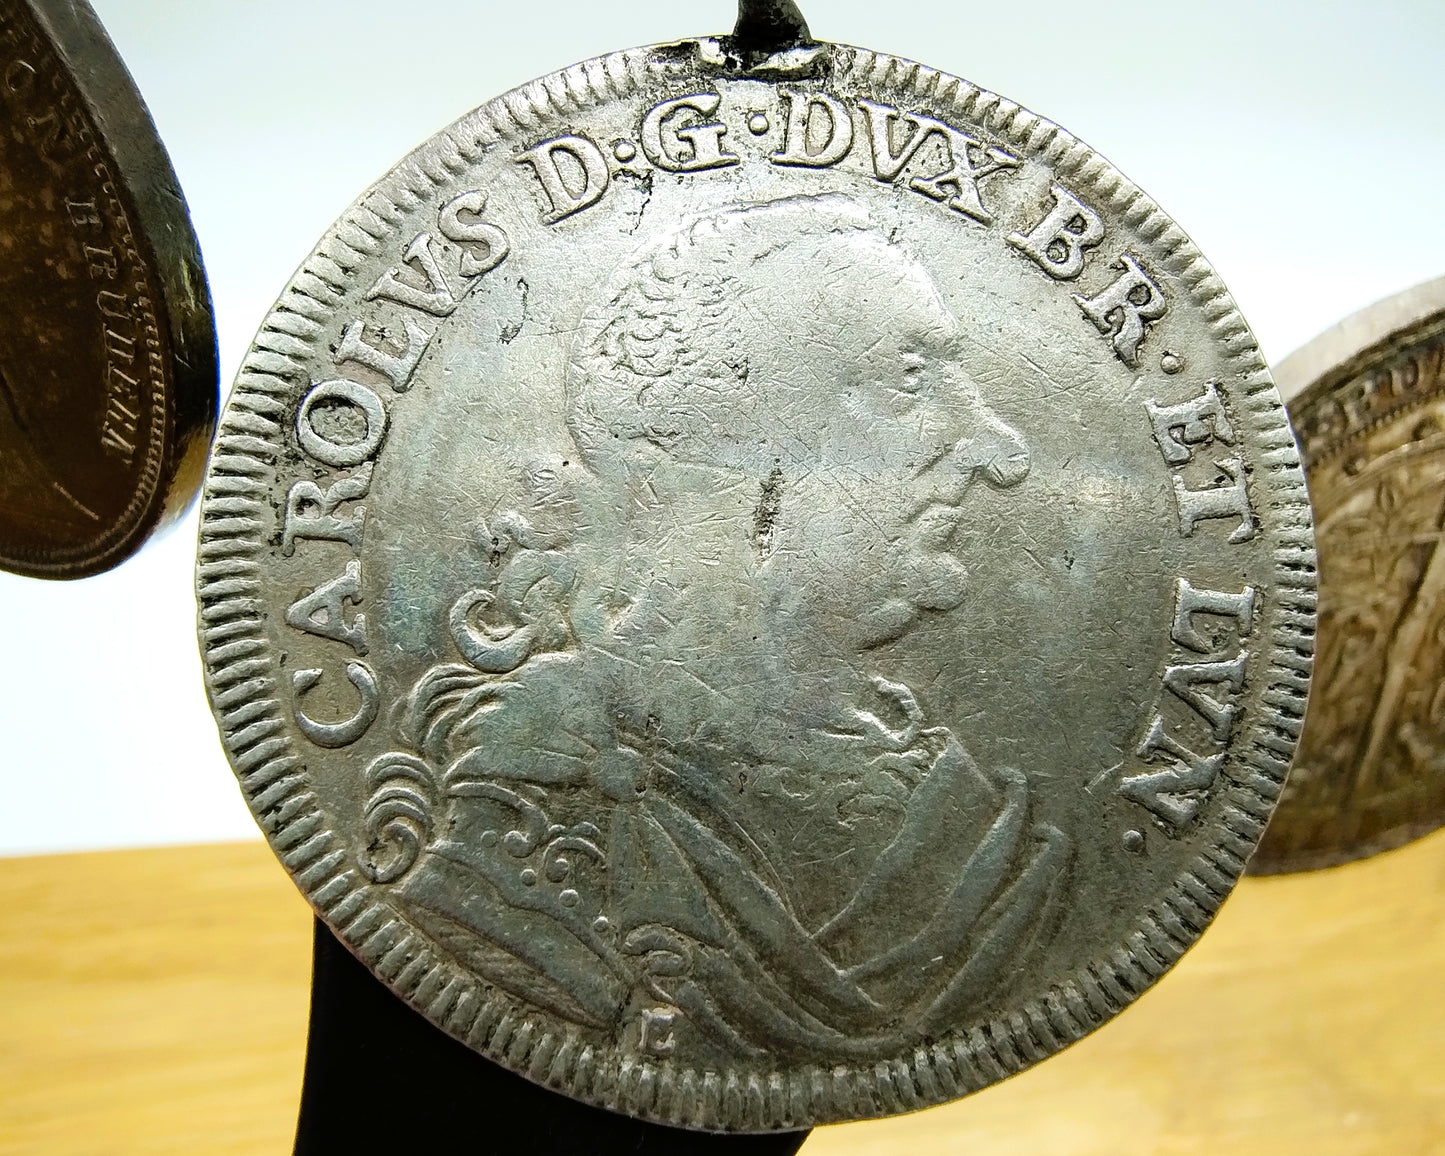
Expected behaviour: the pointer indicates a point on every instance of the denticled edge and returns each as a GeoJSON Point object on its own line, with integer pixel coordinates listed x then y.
{"type": "Point", "coordinates": [241, 679]}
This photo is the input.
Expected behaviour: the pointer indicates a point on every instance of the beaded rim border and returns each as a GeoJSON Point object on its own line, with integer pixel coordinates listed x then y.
{"type": "Point", "coordinates": [240, 675]}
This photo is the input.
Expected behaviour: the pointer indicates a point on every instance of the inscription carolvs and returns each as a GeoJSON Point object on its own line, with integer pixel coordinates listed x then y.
{"type": "Point", "coordinates": [709, 585]}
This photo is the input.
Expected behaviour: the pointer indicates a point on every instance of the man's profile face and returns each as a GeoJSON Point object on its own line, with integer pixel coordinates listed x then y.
{"type": "Point", "coordinates": [778, 416]}
{"type": "Point", "coordinates": [901, 434]}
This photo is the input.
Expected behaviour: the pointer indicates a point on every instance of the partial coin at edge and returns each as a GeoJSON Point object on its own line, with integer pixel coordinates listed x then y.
{"type": "Point", "coordinates": [1367, 399]}
{"type": "Point", "coordinates": [108, 380]}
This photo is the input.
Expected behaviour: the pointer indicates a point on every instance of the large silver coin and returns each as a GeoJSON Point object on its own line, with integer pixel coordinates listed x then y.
{"type": "Point", "coordinates": [759, 597]}
{"type": "Point", "coordinates": [108, 379]}
{"type": "Point", "coordinates": [1368, 400]}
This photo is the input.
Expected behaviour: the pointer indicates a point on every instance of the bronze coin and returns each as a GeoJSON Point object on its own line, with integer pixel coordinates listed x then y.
{"type": "Point", "coordinates": [108, 374]}
{"type": "Point", "coordinates": [1368, 402]}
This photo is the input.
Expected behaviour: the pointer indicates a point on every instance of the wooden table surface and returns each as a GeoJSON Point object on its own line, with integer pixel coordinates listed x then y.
{"type": "Point", "coordinates": [155, 1002]}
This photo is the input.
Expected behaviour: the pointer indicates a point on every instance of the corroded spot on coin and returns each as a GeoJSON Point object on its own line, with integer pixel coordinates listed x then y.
{"type": "Point", "coordinates": [1366, 400]}
{"type": "Point", "coordinates": [107, 357]}
{"type": "Point", "coordinates": [758, 597]}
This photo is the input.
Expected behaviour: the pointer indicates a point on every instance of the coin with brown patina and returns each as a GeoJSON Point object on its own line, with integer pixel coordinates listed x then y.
{"type": "Point", "coordinates": [107, 348]}
{"type": "Point", "coordinates": [1368, 403]}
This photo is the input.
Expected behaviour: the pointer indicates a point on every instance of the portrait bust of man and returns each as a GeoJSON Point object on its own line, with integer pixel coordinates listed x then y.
{"type": "Point", "coordinates": [675, 740]}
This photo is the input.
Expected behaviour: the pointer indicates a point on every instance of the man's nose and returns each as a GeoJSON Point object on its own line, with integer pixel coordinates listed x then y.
{"type": "Point", "coordinates": [994, 453]}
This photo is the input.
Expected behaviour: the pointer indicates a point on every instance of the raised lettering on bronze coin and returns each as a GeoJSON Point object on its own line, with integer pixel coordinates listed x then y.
{"type": "Point", "coordinates": [758, 597]}
{"type": "Point", "coordinates": [107, 353]}
{"type": "Point", "coordinates": [1366, 400]}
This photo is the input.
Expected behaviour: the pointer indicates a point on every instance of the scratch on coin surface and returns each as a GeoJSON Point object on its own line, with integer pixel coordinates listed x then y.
{"type": "Point", "coordinates": [1103, 777]}
{"type": "Point", "coordinates": [765, 516]}
{"type": "Point", "coordinates": [508, 332]}
{"type": "Point", "coordinates": [89, 513]}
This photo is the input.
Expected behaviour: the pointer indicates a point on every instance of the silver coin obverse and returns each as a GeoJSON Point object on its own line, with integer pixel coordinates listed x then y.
{"type": "Point", "coordinates": [758, 596]}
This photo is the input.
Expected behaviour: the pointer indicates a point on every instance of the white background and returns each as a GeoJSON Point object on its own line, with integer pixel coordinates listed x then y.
{"type": "Point", "coordinates": [1300, 144]}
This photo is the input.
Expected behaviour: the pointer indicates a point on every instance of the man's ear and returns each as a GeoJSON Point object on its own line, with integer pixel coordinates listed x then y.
{"type": "Point", "coordinates": [993, 452]}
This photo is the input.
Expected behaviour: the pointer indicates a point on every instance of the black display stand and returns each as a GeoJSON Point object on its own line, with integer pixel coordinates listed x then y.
{"type": "Point", "coordinates": [381, 1079]}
